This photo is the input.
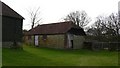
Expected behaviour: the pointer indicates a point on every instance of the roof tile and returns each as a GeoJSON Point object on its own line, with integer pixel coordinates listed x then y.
{"type": "Point", "coordinates": [54, 28]}
{"type": "Point", "coordinates": [7, 11]}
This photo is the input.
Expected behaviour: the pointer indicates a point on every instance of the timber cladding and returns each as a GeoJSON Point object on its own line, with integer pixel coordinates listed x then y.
{"type": "Point", "coordinates": [11, 27]}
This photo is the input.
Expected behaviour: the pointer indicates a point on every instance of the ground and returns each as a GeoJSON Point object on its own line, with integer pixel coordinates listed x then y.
{"type": "Point", "coordinates": [0, 56]}
{"type": "Point", "coordinates": [33, 56]}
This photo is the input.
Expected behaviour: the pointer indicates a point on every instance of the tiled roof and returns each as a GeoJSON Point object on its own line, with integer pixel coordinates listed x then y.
{"type": "Point", "coordinates": [54, 28]}
{"type": "Point", "coordinates": [7, 11]}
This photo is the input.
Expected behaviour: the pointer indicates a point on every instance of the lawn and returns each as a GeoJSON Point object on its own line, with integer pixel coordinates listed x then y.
{"type": "Point", "coordinates": [0, 56]}
{"type": "Point", "coordinates": [32, 56]}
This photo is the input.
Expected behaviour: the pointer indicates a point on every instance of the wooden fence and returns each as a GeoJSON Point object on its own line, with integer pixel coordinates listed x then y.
{"type": "Point", "coordinates": [102, 45]}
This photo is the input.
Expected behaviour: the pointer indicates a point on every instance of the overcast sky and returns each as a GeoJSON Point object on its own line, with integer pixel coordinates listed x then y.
{"type": "Point", "coordinates": [54, 10]}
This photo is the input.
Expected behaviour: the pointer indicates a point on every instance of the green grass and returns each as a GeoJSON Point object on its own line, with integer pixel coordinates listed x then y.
{"type": "Point", "coordinates": [0, 56]}
{"type": "Point", "coordinates": [32, 56]}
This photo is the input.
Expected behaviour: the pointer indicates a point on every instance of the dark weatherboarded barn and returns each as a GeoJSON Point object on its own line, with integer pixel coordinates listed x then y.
{"type": "Point", "coordinates": [60, 35]}
{"type": "Point", "coordinates": [11, 26]}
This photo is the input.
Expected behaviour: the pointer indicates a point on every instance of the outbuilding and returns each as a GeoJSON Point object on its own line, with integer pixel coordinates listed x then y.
{"type": "Point", "coordinates": [59, 35]}
{"type": "Point", "coordinates": [11, 26]}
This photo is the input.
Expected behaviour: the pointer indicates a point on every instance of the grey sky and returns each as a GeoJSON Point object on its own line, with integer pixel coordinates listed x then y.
{"type": "Point", "coordinates": [54, 10]}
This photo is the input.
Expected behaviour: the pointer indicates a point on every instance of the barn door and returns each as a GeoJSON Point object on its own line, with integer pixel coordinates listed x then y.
{"type": "Point", "coordinates": [36, 40]}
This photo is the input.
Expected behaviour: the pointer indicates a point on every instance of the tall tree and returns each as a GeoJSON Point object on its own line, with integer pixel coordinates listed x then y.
{"type": "Point", "coordinates": [80, 18]}
{"type": "Point", "coordinates": [98, 26]}
{"type": "Point", "coordinates": [35, 17]}
{"type": "Point", "coordinates": [109, 25]}
{"type": "Point", "coordinates": [106, 28]}
{"type": "Point", "coordinates": [113, 23]}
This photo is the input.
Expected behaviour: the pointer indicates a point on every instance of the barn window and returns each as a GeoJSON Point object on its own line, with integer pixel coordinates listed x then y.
{"type": "Point", "coordinates": [44, 37]}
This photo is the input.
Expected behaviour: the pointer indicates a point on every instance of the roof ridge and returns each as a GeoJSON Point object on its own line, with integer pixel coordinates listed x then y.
{"type": "Point", "coordinates": [54, 28]}
{"type": "Point", "coordinates": [56, 23]}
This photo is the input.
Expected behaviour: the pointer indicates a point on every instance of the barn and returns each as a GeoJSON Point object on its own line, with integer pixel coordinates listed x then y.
{"type": "Point", "coordinates": [61, 35]}
{"type": "Point", "coordinates": [11, 27]}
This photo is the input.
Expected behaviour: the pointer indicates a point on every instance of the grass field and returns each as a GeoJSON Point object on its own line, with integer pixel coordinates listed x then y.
{"type": "Point", "coordinates": [0, 56]}
{"type": "Point", "coordinates": [32, 56]}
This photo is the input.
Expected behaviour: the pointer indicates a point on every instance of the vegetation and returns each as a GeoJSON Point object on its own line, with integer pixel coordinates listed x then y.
{"type": "Point", "coordinates": [105, 25]}
{"type": "Point", "coordinates": [80, 18]}
{"type": "Point", "coordinates": [35, 17]}
{"type": "Point", "coordinates": [0, 56]}
{"type": "Point", "coordinates": [105, 28]}
{"type": "Point", "coordinates": [32, 56]}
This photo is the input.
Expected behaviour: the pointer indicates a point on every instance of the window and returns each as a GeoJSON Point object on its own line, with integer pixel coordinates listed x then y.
{"type": "Point", "coordinates": [44, 37]}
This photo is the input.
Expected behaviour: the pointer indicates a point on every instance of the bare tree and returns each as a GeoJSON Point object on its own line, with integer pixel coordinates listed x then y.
{"type": "Point", "coordinates": [108, 25]}
{"type": "Point", "coordinates": [113, 23]}
{"type": "Point", "coordinates": [80, 18]}
{"type": "Point", "coordinates": [99, 26]}
{"type": "Point", "coordinates": [35, 17]}
{"type": "Point", "coordinates": [105, 28]}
